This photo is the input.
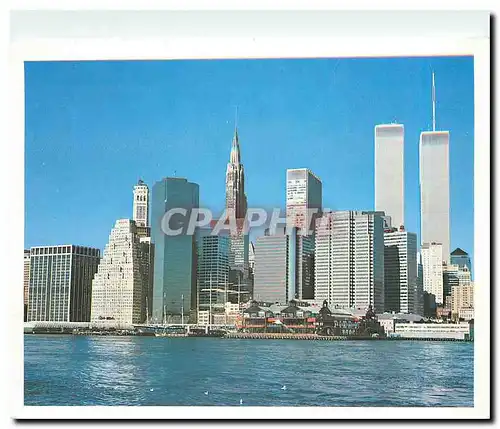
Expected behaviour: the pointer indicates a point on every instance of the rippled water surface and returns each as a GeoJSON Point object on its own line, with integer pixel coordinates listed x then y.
{"type": "Point", "coordinates": [74, 370]}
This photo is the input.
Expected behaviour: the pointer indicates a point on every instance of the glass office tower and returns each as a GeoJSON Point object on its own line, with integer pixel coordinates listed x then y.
{"type": "Point", "coordinates": [174, 283]}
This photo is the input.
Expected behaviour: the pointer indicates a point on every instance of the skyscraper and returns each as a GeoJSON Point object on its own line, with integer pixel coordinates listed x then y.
{"type": "Point", "coordinates": [461, 258]}
{"type": "Point", "coordinates": [141, 204]}
{"type": "Point", "coordinates": [435, 186]}
{"type": "Point", "coordinates": [389, 171]}
{"type": "Point", "coordinates": [349, 259]}
{"type": "Point", "coordinates": [174, 283]}
{"type": "Point", "coordinates": [303, 192]}
{"type": "Point", "coordinates": [432, 264]}
{"type": "Point", "coordinates": [271, 283]}
{"type": "Point", "coordinates": [140, 215]}
{"type": "Point", "coordinates": [236, 208]}
{"type": "Point", "coordinates": [236, 199]}
{"type": "Point", "coordinates": [118, 288]}
{"type": "Point", "coordinates": [400, 279]}
{"type": "Point", "coordinates": [60, 283]}
{"type": "Point", "coordinates": [212, 270]}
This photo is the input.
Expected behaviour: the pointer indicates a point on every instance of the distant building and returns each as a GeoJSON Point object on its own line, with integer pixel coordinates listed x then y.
{"type": "Point", "coordinates": [420, 283]}
{"type": "Point", "coordinates": [435, 190]}
{"type": "Point", "coordinates": [174, 283]}
{"type": "Point", "coordinates": [236, 208]}
{"type": "Point", "coordinates": [301, 263]}
{"type": "Point", "coordinates": [461, 258]}
{"type": "Point", "coordinates": [432, 262]}
{"type": "Point", "coordinates": [462, 295]}
{"type": "Point", "coordinates": [60, 283]}
{"type": "Point", "coordinates": [450, 279]}
{"type": "Point", "coordinates": [466, 313]}
{"type": "Point", "coordinates": [212, 271]}
{"type": "Point", "coordinates": [271, 281]}
{"type": "Point", "coordinates": [26, 282]}
{"type": "Point", "coordinates": [349, 260]}
{"type": "Point", "coordinates": [389, 171]}
{"type": "Point", "coordinates": [141, 204]}
{"type": "Point", "coordinates": [429, 305]}
{"type": "Point", "coordinates": [140, 216]}
{"type": "Point", "coordinates": [303, 192]}
{"type": "Point", "coordinates": [118, 288]}
{"type": "Point", "coordinates": [147, 256]}
{"type": "Point", "coordinates": [400, 274]}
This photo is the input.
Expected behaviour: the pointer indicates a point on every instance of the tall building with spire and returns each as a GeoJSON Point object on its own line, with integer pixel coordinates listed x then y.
{"type": "Point", "coordinates": [236, 208]}
{"type": "Point", "coordinates": [435, 185]}
{"type": "Point", "coordinates": [236, 199]}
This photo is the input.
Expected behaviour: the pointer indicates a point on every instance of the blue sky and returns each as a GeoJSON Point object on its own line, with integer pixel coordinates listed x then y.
{"type": "Point", "coordinates": [94, 128]}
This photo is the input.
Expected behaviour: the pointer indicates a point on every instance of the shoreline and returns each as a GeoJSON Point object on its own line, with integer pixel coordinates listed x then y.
{"type": "Point", "coordinates": [262, 336]}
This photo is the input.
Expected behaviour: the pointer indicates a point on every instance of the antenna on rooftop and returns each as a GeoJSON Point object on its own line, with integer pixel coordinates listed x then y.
{"type": "Point", "coordinates": [433, 103]}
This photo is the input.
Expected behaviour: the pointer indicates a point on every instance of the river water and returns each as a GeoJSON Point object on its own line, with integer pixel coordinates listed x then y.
{"type": "Point", "coordinates": [77, 370]}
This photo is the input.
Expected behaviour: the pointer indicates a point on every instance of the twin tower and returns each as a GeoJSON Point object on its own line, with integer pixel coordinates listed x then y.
{"type": "Point", "coordinates": [434, 181]}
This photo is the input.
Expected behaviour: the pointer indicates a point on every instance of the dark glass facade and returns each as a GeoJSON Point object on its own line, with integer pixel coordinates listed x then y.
{"type": "Point", "coordinates": [174, 283]}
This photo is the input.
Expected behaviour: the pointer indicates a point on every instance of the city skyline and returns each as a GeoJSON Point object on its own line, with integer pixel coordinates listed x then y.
{"type": "Point", "coordinates": [203, 172]}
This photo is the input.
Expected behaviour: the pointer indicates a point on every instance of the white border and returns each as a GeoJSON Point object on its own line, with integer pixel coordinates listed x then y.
{"type": "Point", "coordinates": [374, 35]}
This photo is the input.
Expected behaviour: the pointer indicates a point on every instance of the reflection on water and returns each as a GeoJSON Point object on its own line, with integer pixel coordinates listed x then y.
{"type": "Point", "coordinates": [74, 370]}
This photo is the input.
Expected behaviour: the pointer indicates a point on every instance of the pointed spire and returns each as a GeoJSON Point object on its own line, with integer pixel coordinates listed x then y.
{"type": "Point", "coordinates": [235, 149]}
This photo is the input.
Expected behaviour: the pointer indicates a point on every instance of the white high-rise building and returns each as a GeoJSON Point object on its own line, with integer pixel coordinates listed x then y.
{"type": "Point", "coordinates": [349, 260]}
{"type": "Point", "coordinates": [432, 264]}
{"type": "Point", "coordinates": [400, 276]}
{"type": "Point", "coordinates": [303, 193]}
{"type": "Point", "coordinates": [435, 189]}
{"type": "Point", "coordinates": [435, 184]}
{"type": "Point", "coordinates": [141, 204]}
{"type": "Point", "coordinates": [117, 289]}
{"type": "Point", "coordinates": [389, 171]}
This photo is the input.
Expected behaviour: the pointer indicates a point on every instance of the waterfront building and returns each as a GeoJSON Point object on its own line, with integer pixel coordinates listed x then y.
{"type": "Point", "coordinates": [26, 282]}
{"type": "Point", "coordinates": [141, 204]}
{"type": "Point", "coordinates": [462, 294]}
{"type": "Point", "coordinates": [400, 273]}
{"type": "Point", "coordinates": [60, 283]}
{"type": "Point", "coordinates": [118, 288]}
{"type": "Point", "coordinates": [451, 331]}
{"type": "Point", "coordinates": [388, 320]}
{"type": "Point", "coordinates": [303, 193]}
{"type": "Point", "coordinates": [271, 281]}
{"type": "Point", "coordinates": [389, 171]}
{"type": "Point", "coordinates": [461, 258]}
{"type": "Point", "coordinates": [432, 264]}
{"type": "Point", "coordinates": [212, 270]}
{"type": "Point", "coordinates": [174, 283]}
{"type": "Point", "coordinates": [349, 260]}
